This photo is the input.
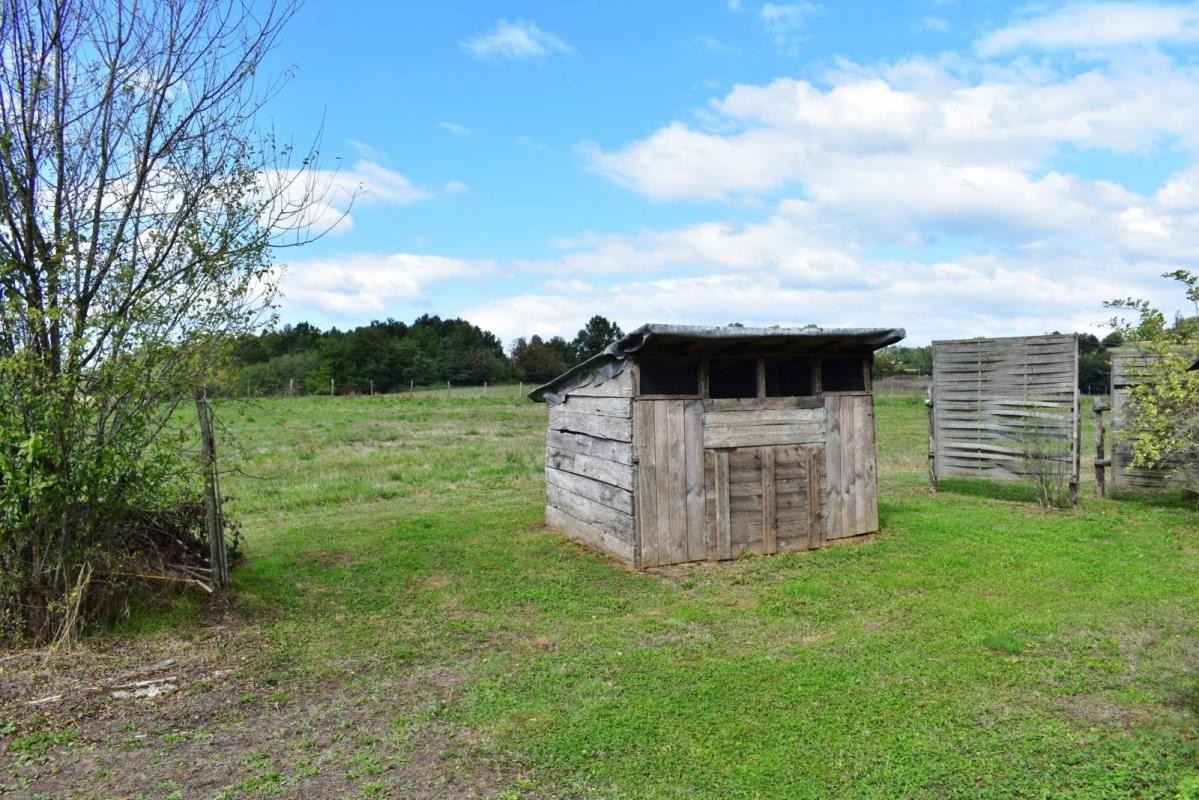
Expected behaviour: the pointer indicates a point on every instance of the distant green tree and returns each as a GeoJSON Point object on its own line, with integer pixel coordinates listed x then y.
{"type": "Point", "coordinates": [538, 361]}
{"type": "Point", "coordinates": [594, 337]}
{"type": "Point", "coordinates": [1094, 365]}
{"type": "Point", "coordinates": [897, 360]}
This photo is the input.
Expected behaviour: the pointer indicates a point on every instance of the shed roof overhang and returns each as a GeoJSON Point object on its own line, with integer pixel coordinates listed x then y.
{"type": "Point", "coordinates": [655, 340]}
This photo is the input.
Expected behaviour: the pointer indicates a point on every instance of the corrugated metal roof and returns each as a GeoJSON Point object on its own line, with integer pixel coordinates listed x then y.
{"type": "Point", "coordinates": [660, 340]}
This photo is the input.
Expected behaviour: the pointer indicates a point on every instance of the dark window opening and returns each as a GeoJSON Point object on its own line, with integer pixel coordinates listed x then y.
{"type": "Point", "coordinates": [669, 376]}
{"type": "Point", "coordinates": [729, 378]}
{"type": "Point", "coordinates": [843, 375]}
{"type": "Point", "coordinates": [789, 378]}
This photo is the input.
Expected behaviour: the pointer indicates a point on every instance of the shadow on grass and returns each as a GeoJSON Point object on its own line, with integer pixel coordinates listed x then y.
{"type": "Point", "coordinates": [1014, 491]}
{"type": "Point", "coordinates": [1172, 499]}
{"type": "Point", "coordinates": [989, 490]}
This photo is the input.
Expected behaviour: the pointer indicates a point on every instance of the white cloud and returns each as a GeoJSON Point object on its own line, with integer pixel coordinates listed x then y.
{"type": "Point", "coordinates": [717, 47]}
{"type": "Point", "coordinates": [935, 24]}
{"type": "Point", "coordinates": [455, 128]}
{"type": "Point", "coordinates": [376, 183]}
{"type": "Point", "coordinates": [1091, 26]}
{"type": "Point", "coordinates": [362, 284]}
{"type": "Point", "coordinates": [455, 188]}
{"type": "Point", "coordinates": [515, 41]}
{"type": "Point", "coordinates": [570, 285]}
{"type": "Point", "coordinates": [898, 141]}
{"type": "Point", "coordinates": [678, 162]}
{"type": "Point", "coordinates": [932, 301]}
{"type": "Point", "coordinates": [985, 295]}
{"type": "Point", "coordinates": [787, 24]}
{"type": "Point", "coordinates": [320, 202]}
{"type": "Point", "coordinates": [795, 268]}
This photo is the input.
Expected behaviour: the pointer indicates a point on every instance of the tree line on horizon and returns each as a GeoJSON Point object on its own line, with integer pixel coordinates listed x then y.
{"type": "Point", "coordinates": [390, 356]}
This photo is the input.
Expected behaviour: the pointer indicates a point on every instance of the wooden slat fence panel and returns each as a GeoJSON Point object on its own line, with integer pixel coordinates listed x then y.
{"type": "Point", "coordinates": [1006, 408]}
{"type": "Point", "coordinates": [1128, 370]}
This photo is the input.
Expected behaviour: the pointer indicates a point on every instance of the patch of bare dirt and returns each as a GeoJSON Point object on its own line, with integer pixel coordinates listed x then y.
{"type": "Point", "coordinates": [1092, 709]}
{"type": "Point", "coordinates": [195, 716]}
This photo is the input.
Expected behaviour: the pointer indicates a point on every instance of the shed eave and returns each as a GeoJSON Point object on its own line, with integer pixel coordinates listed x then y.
{"type": "Point", "coordinates": [664, 340]}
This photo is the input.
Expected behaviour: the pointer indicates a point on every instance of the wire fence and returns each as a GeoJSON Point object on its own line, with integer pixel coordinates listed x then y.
{"type": "Point", "coordinates": [882, 386]}
{"type": "Point", "coordinates": [446, 391]}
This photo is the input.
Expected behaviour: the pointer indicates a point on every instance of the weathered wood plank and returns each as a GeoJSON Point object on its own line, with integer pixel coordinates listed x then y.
{"type": "Point", "coordinates": [745, 533]}
{"type": "Point", "coordinates": [723, 512]}
{"type": "Point", "coordinates": [693, 446]}
{"type": "Point", "coordinates": [647, 486]}
{"type": "Point", "coordinates": [601, 516]}
{"type": "Point", "coordinates": [662, 478]}
{"type": "Point", "coordinates": [761, 403]}
{"type": "Point", "coordinates": [600, 469]}
{"type": "Point", "coordinates": [769, 503]}
{"type": "Point", "coordinates": [604, 493]}
{"type": "Point", "coordinates": [870, 522]}
{"type": "Point", "coordinates": [766, 416]}
{"type": "Point", "coordinates": [711, 526]}
{"type": "Point", "coordinates": [620, 385]}
{"type": "Point", "coordinates": [833, 450]}
{"type": "Point", "coordinates": [567, 442]}
{"type": "Point", "coordinates": [849, 524]}
{"type": "Point", "coordinates": [615, 428]}
{"type": "Point", "coordinates": [762, 435]}
{"type": "Point", "coordinates": [588, 534]}
{"type": "Point", "coordinates": [604, 406]}
{"type": "Point", "coordinates": [677, 438]}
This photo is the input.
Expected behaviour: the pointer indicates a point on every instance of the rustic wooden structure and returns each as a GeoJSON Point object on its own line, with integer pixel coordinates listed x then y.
{"type": "Point", "coordinates": [682, 443]}
{"type": "Point", "coordinates": [1130, 367]}
{"type": "Point", "coordinates": [1005, 409]}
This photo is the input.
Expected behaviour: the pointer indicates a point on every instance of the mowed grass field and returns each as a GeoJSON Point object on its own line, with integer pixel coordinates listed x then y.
{"type": "Point", "coordinates": [405, 626]}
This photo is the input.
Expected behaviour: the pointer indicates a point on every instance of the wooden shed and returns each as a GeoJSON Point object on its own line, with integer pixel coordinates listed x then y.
{"type": "Point", "coordinates": [683, 443]}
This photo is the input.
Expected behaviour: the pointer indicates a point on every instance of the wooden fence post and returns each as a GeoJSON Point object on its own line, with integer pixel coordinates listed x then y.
{"type": "Point", "coordinates": [932, 441]}
{"type": "Point", "coordinates": [1076, 444]}
{"type": "Point", "coordinates": [214, 522]}
{"type": "Point", "coordinates": [1101, 461]}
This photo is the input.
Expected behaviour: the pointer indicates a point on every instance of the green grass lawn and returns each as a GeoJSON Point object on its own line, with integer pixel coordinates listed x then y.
{"type": "Point", "coordinates": [978, 647]}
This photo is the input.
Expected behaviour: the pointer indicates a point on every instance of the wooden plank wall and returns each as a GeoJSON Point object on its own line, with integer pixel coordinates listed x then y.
{"type": "Point", "coordinates": [1129, 369]}
{"type": "Point", "coordinates": [670, 473]}
{"type": "Point", "coordinates": [763, 499]}
{"type": "Point", "coordinates": [589, 470]}
{"type": "Point", "coordinates": [774, 471]}
{"type": "Point", "coordinates": [851, 485]}
{"type": "Point", "coordinates": [997, 402]}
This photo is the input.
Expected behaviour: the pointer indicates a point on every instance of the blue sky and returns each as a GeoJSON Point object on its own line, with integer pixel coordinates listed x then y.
{"type": "Point", "coordinates": [957, 169]}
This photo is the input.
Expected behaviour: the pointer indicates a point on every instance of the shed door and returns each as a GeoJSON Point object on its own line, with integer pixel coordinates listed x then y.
{"type": "Point", "coordinates": [668, 441]}
{"type": "Point", "coordinates": [763, 499]}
